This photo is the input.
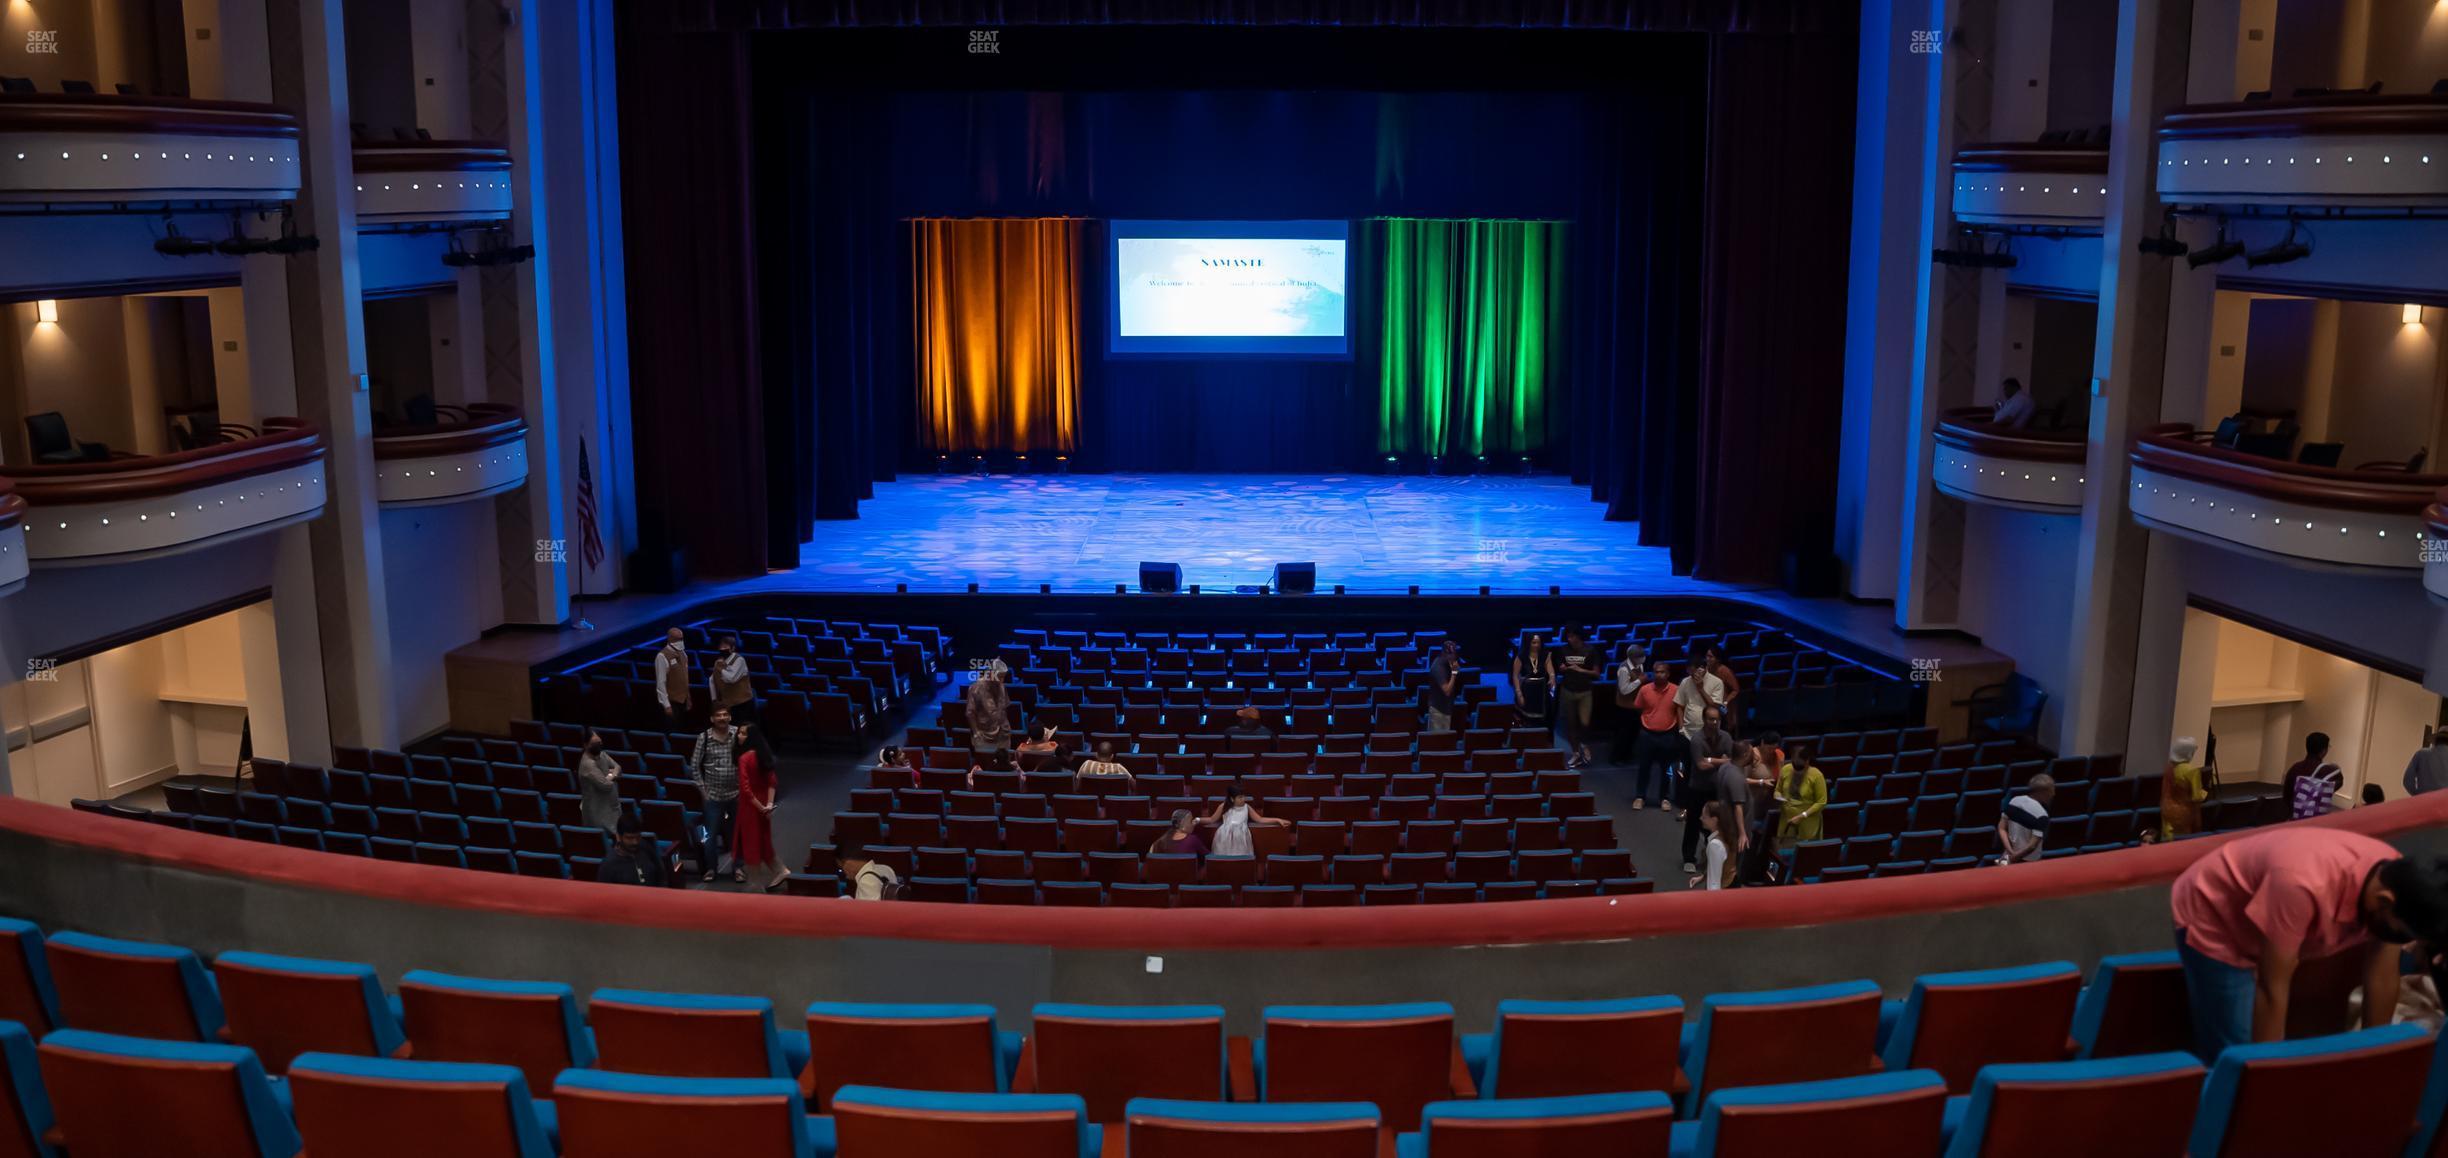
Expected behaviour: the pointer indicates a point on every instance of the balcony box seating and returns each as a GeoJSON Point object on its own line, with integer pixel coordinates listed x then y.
{"type": "Point", "coordinates": [99, 1084]}
{"type": "Point", "coordinates": [391, 1108]}
{"type": "Point", "coordinates": [601, 1112]}
{"type": "Point", "coordinates": [26, 995]}
{"type": "Point", "coordinates": [532, 1025]}
{"type": "Point", "coordinates": [1579, 1047]}
{"type": "Point", "coordinates": [133, 988]}
{"type": "Point", "coordinates": [2142, 1104]}
{"type": "Point", "coordinates": [1622, 1124]}
{"type": "Point", "coordinates": [1399, 1057]}
{"type": "Point", "coordinates": [285, 1006]}
{"type": "Point", "coordinates": [1782, 1036]}
{"type": "Point", "coordinates": [1955, 1023]}
{"type": "Point", "coordinates": [1109, 1055]}
{"type": "Point", "coordinates": [954, 1048]}
{"type": "Point", "coordinates": [692, 1035]}
{"type": "Point", "coordinates": [1895, 1115]}
{"type": "Point", "coordinates": [2254, 1102]}
{"type": "Point", "coordinates": [871, 1120]}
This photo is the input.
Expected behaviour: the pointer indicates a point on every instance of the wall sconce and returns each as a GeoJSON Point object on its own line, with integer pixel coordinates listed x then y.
{"type": "Point", "coordinates": [47, 310]}
{"type": "Point", "coordinates": [2413, 314]}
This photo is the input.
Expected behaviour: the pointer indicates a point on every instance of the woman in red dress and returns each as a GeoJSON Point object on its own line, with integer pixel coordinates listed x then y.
{"type": "Point", "coordinates": [752, 834]}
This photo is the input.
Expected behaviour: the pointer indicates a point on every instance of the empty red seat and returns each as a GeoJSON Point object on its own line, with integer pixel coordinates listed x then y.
{"type": "Point", "coordinates": [692, 1035]}
{"type": "Point", "coordinates": [1110, 1054]}
{"type": "Point", "coordinates": [2135, 1004]}
{"type": "Point", "coordinates": [871, 1120]}
{"type": "Point", "coordinates": [1621, 1125]}
{"type": "Point", "coordinates": [133, 987]}
{"type": "Point", "coordinates": [2253, 1104]}
{"type": "Point", "coordinates": [1955, 1023]}
{"type": "Point", "coordinates": [1781, 1036]}
{"type": "Point", "coordinates": [922, 1047]}
{"type": "Point", "coordinates": [1201, 1129]}
{"type": "Point", "coordinates": [26, 995]}
{"type": "Point", "coordinates": [530, 1025]}
{"type": "Point", "coordinates": [601, 1112]}
{"type": "Point", "coordinates": [1889, 1115]}
{"type": "Point", "coordinates": [2142, 1104]}
{"type": "Point", "coordinates": [285, 1006]}
{"type": "Point", "coordinates": [113, 1095]}
{"type": "Point", "coordinates": [1543, 1049]}
{"type": "Point", "coordinates": [390, 1108]}
{"type": "Point", "coordinates": [1398, 1057]}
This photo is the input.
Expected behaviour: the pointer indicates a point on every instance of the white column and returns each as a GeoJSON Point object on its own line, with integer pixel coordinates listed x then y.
{"type": "Point", "coordinates": [545, 599]}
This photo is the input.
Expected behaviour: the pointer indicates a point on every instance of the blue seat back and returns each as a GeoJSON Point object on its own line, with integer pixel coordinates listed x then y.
{"type": "Point", "coordinates": [25, 1110]}
{"type": "Point", "coordinates": [2254, 1102]}
{"type": "Point", "coordinates": [2130, 1105]}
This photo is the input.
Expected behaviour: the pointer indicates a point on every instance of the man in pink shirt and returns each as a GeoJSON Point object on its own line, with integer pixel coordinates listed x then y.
{"type": "Point", "coordinates": [2251, 911]}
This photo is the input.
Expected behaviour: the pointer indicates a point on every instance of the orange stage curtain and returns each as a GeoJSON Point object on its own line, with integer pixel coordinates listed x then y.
{"type": "Point", "coordinates": [997, 319]}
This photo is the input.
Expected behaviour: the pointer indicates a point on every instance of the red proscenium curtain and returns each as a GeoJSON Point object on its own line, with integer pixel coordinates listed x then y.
{"type": "Point", "coordinates": [996, 314]}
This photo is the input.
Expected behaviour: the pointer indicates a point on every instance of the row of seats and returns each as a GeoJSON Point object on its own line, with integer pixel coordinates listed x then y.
{"type": "Point", "coordinates": [1950, 1035]}
{"type": "Point", "coordinates": [1150, 895]}
{"type": "Point", "coordinates": [1294, 754]}
{"type": "Point", "coordinates": [943, 782]}
{"type": "Point", "coordinates": [577, 858]}
{"type": "Point", "coordinates": [1311, 744]}
{"type": "Point", "coordinates": [1326, 837]}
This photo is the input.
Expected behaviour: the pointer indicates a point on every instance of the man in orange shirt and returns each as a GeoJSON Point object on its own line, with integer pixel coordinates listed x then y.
{"type": "Point", "coordinates": [2253, 909]}
{"type": "Point", "coordinates": [1662, 747]}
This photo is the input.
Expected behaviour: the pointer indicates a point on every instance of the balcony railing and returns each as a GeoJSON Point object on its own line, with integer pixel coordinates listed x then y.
{"type": "Point", "coordinates": [481, 451]}
{"type": "Point", "coordinates": [414, 182]}
{"type": "Point", "coordinates": [2435, 547]}
{"type": "Point", "coordinates": [1981, 462]}
{"type": "Point", "coordinates": [84, 150]}
{"type": "Point", "coordinates": [2354, 519]}
{"type": "Point", "coordinates": [2032, 183]}
{"type": "Point", "coordinates": [121, 509]}
{"type": "Point", "coordinates": [2346, 151]}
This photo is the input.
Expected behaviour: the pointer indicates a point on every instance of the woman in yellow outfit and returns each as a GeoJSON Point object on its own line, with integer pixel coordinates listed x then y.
{"type": "Point", "coordinates": [2181, 792]}
{"type": "Point", "coordinates": [1801, 796]}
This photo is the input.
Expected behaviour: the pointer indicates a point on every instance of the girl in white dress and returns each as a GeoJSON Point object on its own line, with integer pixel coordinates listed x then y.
{"type": "Point", "coordinates": [1232, 820]}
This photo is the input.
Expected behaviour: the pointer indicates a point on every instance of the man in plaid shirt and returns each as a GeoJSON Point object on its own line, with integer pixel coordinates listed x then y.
{"type": "Point", "coordinates": [716, 770]}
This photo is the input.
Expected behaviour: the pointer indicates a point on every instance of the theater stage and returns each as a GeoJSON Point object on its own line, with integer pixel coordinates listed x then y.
{"type": "Point", "coordinates": [1372, 534]}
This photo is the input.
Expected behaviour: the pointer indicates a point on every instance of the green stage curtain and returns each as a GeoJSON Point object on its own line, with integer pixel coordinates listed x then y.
{"type": "Point", "coordinates": [1471, 336]}
{"type": "Point", "coordinates": [996, 305]}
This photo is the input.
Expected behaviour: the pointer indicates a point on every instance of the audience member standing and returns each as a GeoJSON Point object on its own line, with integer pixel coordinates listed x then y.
{"type": "Point", "coordinates": [672, 677]}
{"type": "Point", "coordinates": [2181, 792]}
{"type": "Point", "coordinates": [2022, 826]}
{"type": "Point", "coordinates": [989, 710]}
{"type": "Point", "coordinates": [1631, 671]}
{"type": "Point", "coordinates": [1576, 681]}
{"type": "Point", "coordinates": [760, 776]}
{"type": "Point", "coordinates": [728, 680]}
{"type": "Point", "coordinates": [1700, 691]}
{"type": "Point", "coordinates": [714, 765]}
{"type": "Point", "coordinates": [1712, 753]}
{"type": "Point", "coordinates": [1716, 868]}
{"type": "Point", "coordinates": [1533, 676]}
{"type": "Point", "coordinates": [2254, 908]}
{"type": "Point", "coordinates": [1444, 686]}
{"type": "Point", "coordinates": [2313, 783]}
{"type": "Point", "coordinates": [599, 802]}
{"type": "Point", "coordinates": [1713, 662]}
{"type": "Point", "coordinates": [2428, 770]}
{"type": "Point", "coordinates": [1801, 798]}
{"type": "Point", "coordinates": [1662, 746]}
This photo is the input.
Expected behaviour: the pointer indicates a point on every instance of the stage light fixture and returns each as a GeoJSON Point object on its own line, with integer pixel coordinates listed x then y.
{"type": "Point", "coordinates": [2224, 249]}
{"type": "Point", "coordinates": [1483, 589]}
{"type": "Point", "coordinates": [1045, 589]}
{"type": "Point", "coordinates": [1415, 589]}
{"type": "Point", "coordinates": [2288, 249]}
{"type": "Point", "coordinates": [1121, 588]}
{"type": "Point", "coordinates": [973, 589]}
{"type": "Point", "coordinates": [900, 588]}
{"type": "Point", "coordinates": [1554, 589]}
{"type": "Point", "coordinates": [1338, 589]}
{"type": "Point", "coordinates": [1194, 589]}
{"type": "Point", "coordinates": [177, 244]}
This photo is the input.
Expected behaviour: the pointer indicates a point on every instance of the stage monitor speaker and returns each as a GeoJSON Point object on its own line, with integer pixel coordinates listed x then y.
{"type": "Point", "coordinates": [1296, 578]}
{"type": "Point", "coordinates": [1160, 578]}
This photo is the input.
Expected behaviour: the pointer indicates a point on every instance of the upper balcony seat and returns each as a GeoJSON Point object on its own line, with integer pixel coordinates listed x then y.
{"type": "Point", "coordinates": [420, 182]}
{"type": "Point", "coordinates": [86, 149]}
{"type": "Point", "coordinates": [2367, 520]}
{"type": "Point", "coordinates": [123, 509]}
{"type": "Point", "coordinates": [2034, 183]}
{"type": "Point", "coordinates": [473, 453]}
{"type": "Point", "coordinates": [1979, 461]}
{"type": "Point", "coordinates": [2350, 150]}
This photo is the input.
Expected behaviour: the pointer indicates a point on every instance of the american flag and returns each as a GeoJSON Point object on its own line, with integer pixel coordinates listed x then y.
{"type": "Point", "coordinates": [590, 538]}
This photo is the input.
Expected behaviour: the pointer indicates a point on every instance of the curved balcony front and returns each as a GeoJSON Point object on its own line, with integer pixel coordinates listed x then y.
{"type": "Point", "coordinates": [2435, 548]}
{"type": "Point", "coordinates": [479, 452]}
{"type": "Point", "coordinates": [83, 150]}
{"type": "Point", "coordinates": [1979, 461]}
{"type": "Point", "coordinates": [2354, 520]}
{"type": "Point", "coordinates": [124, 509]}
{"type": "Point", "coordinates": [2358, 150]}
{"type": "Point", "coordinates": [428, 182]}
{"type": "Point", "coordinates": [2045, 184]}
{"type": "Point", "coordinates": [13, 563]}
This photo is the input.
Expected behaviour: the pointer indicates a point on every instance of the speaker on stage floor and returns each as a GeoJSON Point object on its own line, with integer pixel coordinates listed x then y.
{"type": "Point", "coordinates": [1160, 578]}
{"type": "Point", "coordinates": [1296, 578]}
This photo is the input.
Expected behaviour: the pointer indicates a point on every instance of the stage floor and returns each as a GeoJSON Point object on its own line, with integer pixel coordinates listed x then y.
{"type": "Point", "coordinates": [1516, 535]}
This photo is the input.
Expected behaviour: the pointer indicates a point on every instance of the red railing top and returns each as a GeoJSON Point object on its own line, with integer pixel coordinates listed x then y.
{"type": "Point", "coordinates": [2310, 116]}
{"type": "Point", "coordinates": [113, 113]}
{"type": "Point", "coordinates": [2032, 157]}
{"type": "Point", "coordinates": [1968, 428]}
{"type": "Point", "coordinates": [1408, 926]}
{"type": "Point", "coordinates": [2179, 449]}
{"type": "Point", "coordinates": [285, 442]}
{"type": "Point", "coordinates": [487, 424]}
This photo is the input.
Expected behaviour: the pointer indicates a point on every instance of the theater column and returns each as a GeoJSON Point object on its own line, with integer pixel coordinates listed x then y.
{"type": "Point", "coordinates": [520, 362]}
{"type": "Point", "coordinates": [2129, 364]}
{"type": "Point", "coordinates": [309, 66]}
{"type": "Point", "coordinates": [1946, 337]}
